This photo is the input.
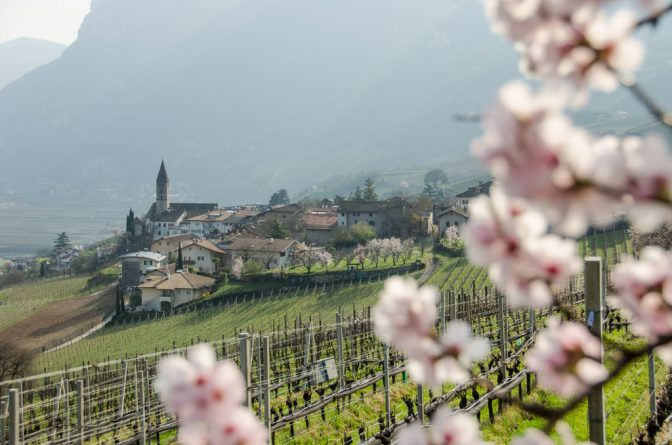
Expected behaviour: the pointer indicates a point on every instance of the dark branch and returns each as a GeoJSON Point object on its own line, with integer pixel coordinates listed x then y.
{"type": "Point", "coordinates": [654, 18]}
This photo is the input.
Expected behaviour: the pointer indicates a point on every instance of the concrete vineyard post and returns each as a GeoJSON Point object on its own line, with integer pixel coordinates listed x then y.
{"type": "Point", "coordinates": [652, 385]}
{"type": "Point", "coordinates": [421, 403]}
{"type": "Point", "coordinates": [245, 365]}
{"type": "Point", "coordinates": [123, 390]}
{"type": "Point", "coordinates": [266, 380]}
{"type": "Point", "coordinates": [143, 426]}
{"type": "Point", "coordinates": [79, 388]}
{"type": "Point", "coordinates": [339, 349]}
{"type": "Point", "coordinates": [13, 417]}
{"type": "Point", "coordinates": [386, 382]}
{"type": "Point", "coordinates": [594, 312]}
{"type": "Point", "coordinates": [2, 422]}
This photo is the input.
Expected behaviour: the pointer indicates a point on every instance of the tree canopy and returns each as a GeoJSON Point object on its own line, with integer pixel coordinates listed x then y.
{"type": "Point", "coordinates": [369, 193]}
{"type": "Point", "coordinates": [61, 243]}
{"type": "Point", "coordinates": [281, 197]}
{"type": "Point", "coordinates": [436, 177]}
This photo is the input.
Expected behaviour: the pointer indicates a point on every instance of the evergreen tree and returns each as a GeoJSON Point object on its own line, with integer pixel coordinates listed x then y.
{"type": "Point", "coordinates": [130, 222]}
{"type": "Point", "coordinates": [281, 197]}
{"type": "Point", "coordinates": [357, 195]}
{"type": "Point", "coordinates": [278, 230]}
{"type": "Point", "coordinates": [62, 243]}
{"type": "Point", "coordinates": [43, 269]}
{"type": "Point", "coordinates": [179, 263]}
{"type": "Point", "coordinates": [369, 190]}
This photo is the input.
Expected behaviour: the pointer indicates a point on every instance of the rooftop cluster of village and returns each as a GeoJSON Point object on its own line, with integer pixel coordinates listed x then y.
{"type": "Point", "coordinates": [191, 245]}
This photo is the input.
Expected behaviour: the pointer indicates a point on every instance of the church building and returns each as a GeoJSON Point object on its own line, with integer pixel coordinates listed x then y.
{"type": "Point", "coordinates": [164, 217]}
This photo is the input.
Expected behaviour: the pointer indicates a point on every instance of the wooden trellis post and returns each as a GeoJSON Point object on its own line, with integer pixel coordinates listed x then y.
{"type": "Point", "coordinates": [266, 381]}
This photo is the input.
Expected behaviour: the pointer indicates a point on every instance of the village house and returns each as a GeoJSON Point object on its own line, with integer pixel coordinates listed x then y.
{"type": "Point", "coordinates": [168, 245]}
{"type": "Point", "coordinates": [213, 223]}
{"type": "Point", "coordinates": [203, 256]}
{"type": "Point", "coordinates": [270, 252]}
{"type": "Point", "coordinates": [135, 265]}
{"type": "Point", "coordinates": [164, 218]}
{"type": "Point", "coordinates": [290, 216]}
{"type": "Point", "coordinates": [453, 216]}
{"type": "Point", "coordinates": [164, 291]}
{"type": "Point", "coordinates": [464, 198]}
{"type": "Point", "coordinates": [373, 213]}
{"type": "Point", "coordinates": [319, 226]}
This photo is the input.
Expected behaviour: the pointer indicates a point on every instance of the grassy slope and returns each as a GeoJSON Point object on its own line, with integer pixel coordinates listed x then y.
{"type": "Point", "coordinates": [211, 324]}
{"type": "Point", "coordinates": [20, 301]}
{"type": "Point", "coordinates": [626, 404]}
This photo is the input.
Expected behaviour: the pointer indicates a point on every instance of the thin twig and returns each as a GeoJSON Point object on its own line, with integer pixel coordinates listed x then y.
{"type": "Point", "coordinates": [654, 18]}
{"type": "Point", "coordinates": [656, 110]}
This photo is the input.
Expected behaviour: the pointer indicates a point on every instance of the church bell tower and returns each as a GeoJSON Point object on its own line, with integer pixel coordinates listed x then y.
{"type": "Point", "coordinates": [162, 186]}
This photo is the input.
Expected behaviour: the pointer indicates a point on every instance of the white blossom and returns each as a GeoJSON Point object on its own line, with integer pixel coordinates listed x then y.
{"type": "Point", "coordinates": [196, 387]}
{"type": "Point", "coordinates": [644, 291]}
{"type": "Point", "coordinates": [405, 314]}
{"type": "Point", "coordinates": [566, 358]}
{"type": "Point", "coordinates": [448, 428]}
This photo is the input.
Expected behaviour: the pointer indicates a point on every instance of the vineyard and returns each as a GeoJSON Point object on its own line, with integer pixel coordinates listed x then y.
{"type": "Point", "coordinates": [264, 312]}
{"type": "Point", "coordinates": [114, 402]}
{"type": "Point", "coordinates": [285, 336]}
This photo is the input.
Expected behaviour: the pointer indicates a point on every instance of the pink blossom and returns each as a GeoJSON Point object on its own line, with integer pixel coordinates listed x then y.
{"type": "Point", "coordinates": [648, 169]}
{"type": "Point", "coordinates": [448, 428]}
{"type": "Point", "coordinates": [534, 436]}
{"type": "Point", "coordinates": [413, 434]}
{"type": "Point", "coordinates": [572, 40]}
{"type": "Point", "coordinates": [196, 387]}
{"type": "Point", "coordinates": [238, 426]}
{"type": "Point", "coordinates": [454, 428]}
{"type": "Point", "coordinates": [644, 291]}
{"type": "Point", "coordinates": [510, 238]}
{"type": "Point", "coordinates": [450, 358]}
{"type": "Point", "coordinates": [566, 358]}
{"type": "Point", "coordinates": [405, 313]}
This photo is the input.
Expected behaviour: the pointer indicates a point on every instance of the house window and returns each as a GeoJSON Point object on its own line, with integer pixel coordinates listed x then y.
{"type": "Point", "coordinates": [342, 213]}
{"type": "Point", "coordinates": [370, 213]}
{"type": "Point", "coordinates": [372, 223]}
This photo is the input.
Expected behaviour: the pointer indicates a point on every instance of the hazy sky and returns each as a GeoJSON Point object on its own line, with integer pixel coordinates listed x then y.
{"type": "Point", "coordinates": [55, 20]}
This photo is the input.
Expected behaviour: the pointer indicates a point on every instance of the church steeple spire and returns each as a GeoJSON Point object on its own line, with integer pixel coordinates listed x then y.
{"type": "Point", "coordinates": [162, 187]}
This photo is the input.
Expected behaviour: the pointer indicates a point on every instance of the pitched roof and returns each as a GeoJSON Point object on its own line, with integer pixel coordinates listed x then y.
{"type": "Point", "coordinates": [215, 215]}
{"type": "Point", "coordinates": [457, 210]}
{"type": "Point", "coordinates": [163, 174]}
{"type": "Point", "coordinates": [178, 238]}
{"type": "Point", "coordinates": [362, 206]}
{"type": "Point", "coordinates": [177, 209]}
{"type": "Point", "coordinates": [262, 245]}
{"type": "Point", "coordinates": [204, 243]}
{"type": "Point", "coordinates": [480, 189]}
{"type": "Point", "coordinates": [320, 220]}
{"type": "Point", "coordinates": [178, 280]}
{"type": "Point", "coordinates": [144, 255]}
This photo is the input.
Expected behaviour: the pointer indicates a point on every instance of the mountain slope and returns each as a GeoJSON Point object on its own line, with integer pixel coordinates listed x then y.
{"type": "Point", "coordinates": [20, 56]}
{"type": "Point", "coordinates": [244, 97]}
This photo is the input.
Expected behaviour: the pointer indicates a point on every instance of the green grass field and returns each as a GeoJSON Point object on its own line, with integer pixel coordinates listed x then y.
{"type": "Point", "coordinates": [626, 403]}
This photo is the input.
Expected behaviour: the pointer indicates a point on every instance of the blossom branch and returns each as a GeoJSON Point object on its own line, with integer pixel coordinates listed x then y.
{"type": "Point", "coordinates": [554, 415]}
{"type": "Point", "coordinates": [655, 17]}
{"type": "Point", "coordinates": [656, 110]}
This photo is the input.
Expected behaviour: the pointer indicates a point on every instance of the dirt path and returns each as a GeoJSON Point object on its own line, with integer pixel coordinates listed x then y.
{"type": "Point", "coordinates": [60, 321]}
